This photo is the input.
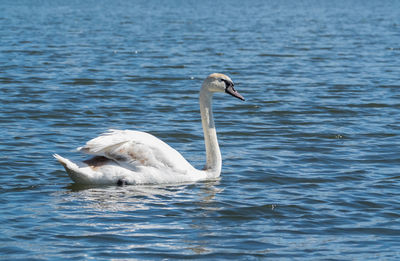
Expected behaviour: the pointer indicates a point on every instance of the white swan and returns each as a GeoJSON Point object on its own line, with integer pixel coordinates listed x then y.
{"type": "Point", "coordinates": [134, 157]}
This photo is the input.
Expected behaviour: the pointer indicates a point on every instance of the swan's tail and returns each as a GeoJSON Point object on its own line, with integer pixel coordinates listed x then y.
{"type": "Point", "coordinates": [73, 170]}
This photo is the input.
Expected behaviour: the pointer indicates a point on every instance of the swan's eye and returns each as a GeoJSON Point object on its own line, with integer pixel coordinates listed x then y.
{"type": "Point", "coordinates": [227, 83]}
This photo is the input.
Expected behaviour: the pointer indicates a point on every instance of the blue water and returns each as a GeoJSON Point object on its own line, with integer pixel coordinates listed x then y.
{"type": "Point", "coordinates": [310, 160]}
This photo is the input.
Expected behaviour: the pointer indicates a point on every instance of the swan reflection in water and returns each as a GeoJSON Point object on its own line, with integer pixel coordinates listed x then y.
{"type": "Point", "coordinates": [180, 213]}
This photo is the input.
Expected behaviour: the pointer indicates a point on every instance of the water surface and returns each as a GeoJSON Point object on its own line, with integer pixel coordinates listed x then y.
{"type": "Point", "coordinates": [310, 160]}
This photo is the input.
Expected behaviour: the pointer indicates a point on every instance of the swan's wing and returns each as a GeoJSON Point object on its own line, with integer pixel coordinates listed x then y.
{"type": "Point", "coordinates": [136, 149]}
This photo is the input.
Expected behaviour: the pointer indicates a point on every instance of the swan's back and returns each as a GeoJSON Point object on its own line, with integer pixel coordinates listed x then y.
{"type": "Point", "coordinates": [137, 149]}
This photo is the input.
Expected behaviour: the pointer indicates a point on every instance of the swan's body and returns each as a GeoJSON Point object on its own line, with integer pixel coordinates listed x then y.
{"type": "Point", "coordinates": [134, 157]}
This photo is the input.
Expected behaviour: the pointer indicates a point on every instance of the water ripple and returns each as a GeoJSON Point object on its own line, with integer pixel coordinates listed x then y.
{"type": "Point", "coordinates": [310, 159]}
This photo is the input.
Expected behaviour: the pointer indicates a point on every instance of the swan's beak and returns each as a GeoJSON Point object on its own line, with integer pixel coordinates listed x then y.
{"type": "Point", "coordinates": [233, 92]}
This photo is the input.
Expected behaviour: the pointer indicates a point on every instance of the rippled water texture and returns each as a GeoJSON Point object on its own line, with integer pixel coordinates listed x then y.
{"type": "Point", "coordinates": [310, 160]}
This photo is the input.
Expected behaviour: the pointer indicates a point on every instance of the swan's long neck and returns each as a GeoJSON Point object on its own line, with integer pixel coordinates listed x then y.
{"type": "Point", "coordinates": [214, 159]}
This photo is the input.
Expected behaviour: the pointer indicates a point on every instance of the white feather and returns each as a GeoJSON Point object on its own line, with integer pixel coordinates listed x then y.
{"type": "Point", "coordinates": [135, 157]}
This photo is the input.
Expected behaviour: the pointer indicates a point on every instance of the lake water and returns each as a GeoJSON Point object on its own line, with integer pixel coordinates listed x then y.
{"type": "Point", "coordinates": [310, 159]}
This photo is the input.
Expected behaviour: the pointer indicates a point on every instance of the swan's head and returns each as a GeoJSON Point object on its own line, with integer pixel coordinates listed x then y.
{"type": "Point", "coordinates": [218, 82]}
